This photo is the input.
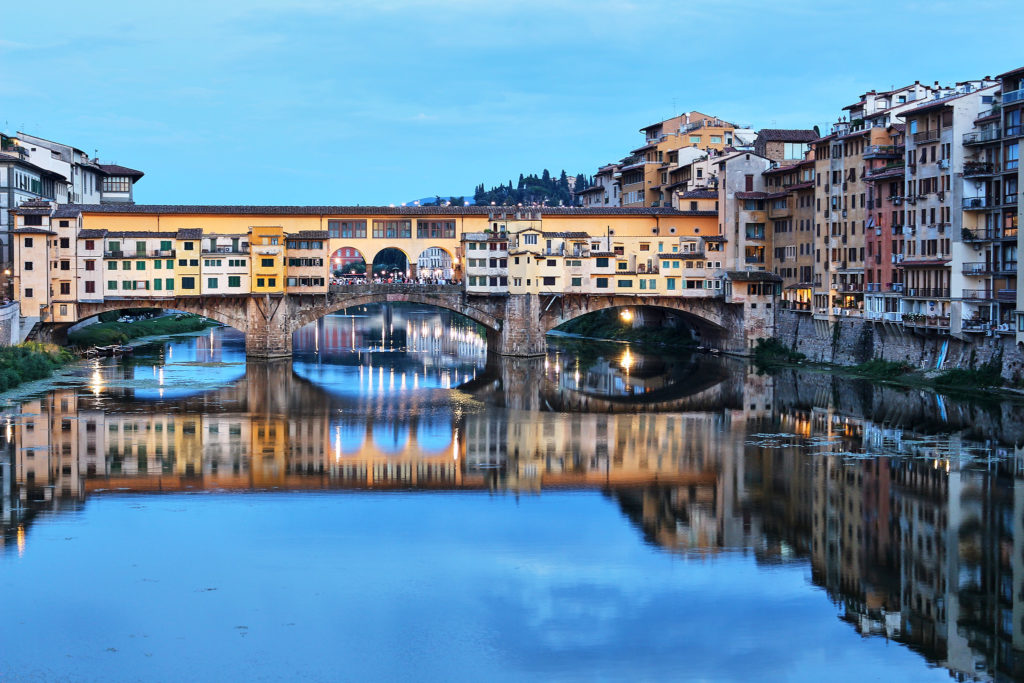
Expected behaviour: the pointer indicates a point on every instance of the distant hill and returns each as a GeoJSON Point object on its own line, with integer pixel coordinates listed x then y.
{"type": "Point", "coordinates": [434, 201]}
{"type": "Point", "coordinates": [533, 189]}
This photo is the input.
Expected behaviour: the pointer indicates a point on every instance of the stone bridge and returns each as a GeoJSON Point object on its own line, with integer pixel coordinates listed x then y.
{"type": "Point", "coordinates": [516, 324]}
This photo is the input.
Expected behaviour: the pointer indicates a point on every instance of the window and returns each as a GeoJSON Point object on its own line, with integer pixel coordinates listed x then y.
{"type": "Point", "coordinates": [165, 245]}
{"type": "Point", "coordinates": [694, 139]}
{"type": "Point", "coordinates": [33, 220]}
{"type": "Point", "coordinates": [624, 283]}
{"type": "Point", "coordinates": [234, 281]}
{"type": "Point", "coordinates": [577, 282]}
{"type": "Point", "coordinates": [28, 242]}
{"type": "Point", "coordinates": [158, 264]}
{"type": "Point", "coordinates": [392, 229]}
{"type": "Point", "coordinates": [716, 139]}
{"type": "Point", "coordinates": [65, 288]}
{"type": "Point", "coordinates": [168, 283]}
{"type": "Point", "coordinates": [90, 265]}
{"type": "Point", "coordinates": [602, 262]}
{"type": "Point", "coordinates": [601, 283]}
{"type": "Point", "coordinates": [111, 284]}
{"type": "Point", "coordinates": [356, 229]}
{"type": "Point", "coordinates": [28, 292]}
{"type": "Point", "coordinates": [260, 282]}
{"type": "Point", "coordinates": [28, 265]}
{"type": "Point", "coordinates": [189, 246]}
{"type": "Point", "coordinates": [670, 283]}
{"type": "Point", "coordinates": [65, 265]}
{"type": "Point", "coordinates": [182, 262]}
{"type": "Point", "coordinates": [90, 287]}
{"type": "Point", "coordinates": [116, 184]}
{"type": "Point", "coordinates": [140, 265]}
{"type": "Point", "coordinates": [211, 282]}
{"type": "Point", "coordinates": [435, 229]}
{"type": "Point", "coordinates": [272, 282]}
{"type": "Point", "coordinates": [530, 238]}
{"type": "Point", "coordinates": [65, 243]}
{"type": "Point", "coordinates": [188, 283]}
{"type": "Point", "coordinates": [266, 263]}
{"type": "Point", "coordinates": [549, 281]}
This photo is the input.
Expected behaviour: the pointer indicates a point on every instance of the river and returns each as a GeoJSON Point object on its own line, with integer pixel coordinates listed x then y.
{"type": "Point", "coordinates": [393, 504]}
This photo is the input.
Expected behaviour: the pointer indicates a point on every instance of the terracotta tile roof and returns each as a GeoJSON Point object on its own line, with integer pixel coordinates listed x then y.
{"type": "Point", "coordinates": [567, 235]}
{"type": "Point", "coordinates": [700, 194]}
{"type": "Point", "coordinates": [117, 170]}
{"type": "Point", "coordinates": [35, 231]}
{"type": "Point", "coordinates": [189, 234]}
{"type": "Point", "coordinates": [752, 276]}
{"type": "Point", "coordinates": [786, 135]}
{"type": "Point", "coordinates": [139, 233]}
{"type": "Point", "coordinates": [65, 211]}
{"type": "Point", "coordinates": [91, 234]}
{"type": "Point", "coordinates": [310, 235]}
{"type": "Point", "coordinates": [253, 210]}
{"type": "Point", "coordinates": [698, 213]}
{"type": "Point", "coordinates": [751, 195]}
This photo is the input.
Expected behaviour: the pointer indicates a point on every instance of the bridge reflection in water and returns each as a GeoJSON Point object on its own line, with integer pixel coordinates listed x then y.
{"type": "Point", "coordinates": [914, 537]}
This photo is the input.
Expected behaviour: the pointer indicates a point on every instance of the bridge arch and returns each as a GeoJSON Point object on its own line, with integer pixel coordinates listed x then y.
{"type": "Point", "coordinates": [709, 317]}
{"type": "Point", "coordinates": [448, 302]}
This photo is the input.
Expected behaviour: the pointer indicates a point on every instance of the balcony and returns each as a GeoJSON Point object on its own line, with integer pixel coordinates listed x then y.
{"type": "Point", "coordinates": [928, 292]}
{"type": "Point", "coordinates": [977, 268]}
{"type": "Point", "coordinates": [894, 286]}
{"type": "Point", "coordinates": [227, 249]}
{"type": "Point", "coordinates": [976, 169]}
{"type": "Point", "coordinates": [922, 320]}
{"type": "Point", "coordinates": [926, 136]}
{"type": "Point", "coordinates": [1013, 96]}
{"type": "Point", "coordinates": [754, 259]}
{"type": "Point", "coordinates": [1006, 268]}
{"type": "Point", "coordinates": [980, 203]}
{"type": "Point", "coordinates": [981, 137]}
{"type": "Point", "coordinates": [873, 287]}
{"type": "Point", "coordinates": [882, 152]}
{"type": "Point", "coordinates": [977, 294]}
{"type": "Point", "coordinates": [1006, 295]}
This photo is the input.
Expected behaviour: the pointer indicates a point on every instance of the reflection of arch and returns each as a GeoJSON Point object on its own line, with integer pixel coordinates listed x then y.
{"type": "Point", "coordinates": [347, 260]}
{"type": "Point", "coordinates": [434, 434]}
{"type": "Point", "coordinates": [348, 437]}
{"type": "Point", "coordinates": [390, 437]}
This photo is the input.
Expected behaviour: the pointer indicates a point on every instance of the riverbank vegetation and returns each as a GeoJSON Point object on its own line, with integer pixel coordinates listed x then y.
{"type": "Point", "coordinates": [30, 361]}
{"type": "Point", "coordinates": [609, 325]}
{"type": "Point", "coordinates": [117, 332]}
{"type": "Point", "coordinates": [772, 354]}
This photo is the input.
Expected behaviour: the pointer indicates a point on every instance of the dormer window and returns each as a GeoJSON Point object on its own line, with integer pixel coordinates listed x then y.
{"type": "Point", "coordinates": [33, 220]}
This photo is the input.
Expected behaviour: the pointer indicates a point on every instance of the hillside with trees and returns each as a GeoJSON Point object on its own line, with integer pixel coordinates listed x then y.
{"type": "Point", "coordinates": [533, 189]}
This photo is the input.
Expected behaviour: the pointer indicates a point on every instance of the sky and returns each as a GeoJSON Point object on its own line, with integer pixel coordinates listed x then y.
{"type": "Point", "coordinates": [386, 101]}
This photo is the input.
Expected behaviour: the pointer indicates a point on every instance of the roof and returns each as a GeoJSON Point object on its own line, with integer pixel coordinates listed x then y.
{"type": "Point", "coordinates": [31, 211]}
{"type": "Point", "coordinates": [786, 135]}
{"type": "Point", "coordinates": [253, 210]}
{"type": "Point", "coordinates": [1014, 72]}
{"type": "Point", "coordinates": [91, 234]}
{"type": "Point", "coordinates": [65, 211]}
{"type": "Point", "coordinates": [592, 188]}
{"type": "Point", "coordinates": [13, 157]}
{"type": "Point", "coordinates": [752, 276]}
{"type": "Point", "coordinates": [698, 213]}
{"type": "Point", "coordinates": [117, 170]}
{"type": "Point", "coordinates": [137, 233]}
{"type": "Point", "coordinates": [700, 194]}
{"type": "Point", "coordinates": [567, 235]}
{"type": "Point", "coordinates": [310, 234]}
{"type": "Point", "coordinates": [715, 238]}
{"type": "Point", "coordinates": [943, 101]}
{"type": "Point", "coordinates": [603, 253]}
{"type": "Point", "coordinates": [35, 231]}
{"type": "Point", "coordinates": [189, 234]}
{"type": "Point", "coordinates": [751, 195]}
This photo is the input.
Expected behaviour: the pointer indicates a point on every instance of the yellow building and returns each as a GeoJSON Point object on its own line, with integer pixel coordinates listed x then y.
{"type": "Point", "coordinates": [267, 245]}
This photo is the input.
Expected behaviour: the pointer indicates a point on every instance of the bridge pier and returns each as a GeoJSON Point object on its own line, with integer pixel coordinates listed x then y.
{"type": "Point", "coordinates": [521, 334]}
{"type": "Point", "coordinates": [268, 333]}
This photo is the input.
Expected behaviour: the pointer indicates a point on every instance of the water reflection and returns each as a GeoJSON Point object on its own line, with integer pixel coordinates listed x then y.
{"type": "Point", "coordinates": [907, 507]}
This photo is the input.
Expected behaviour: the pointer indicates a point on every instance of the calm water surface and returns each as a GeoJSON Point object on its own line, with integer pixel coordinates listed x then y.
{"type": "Point", "coordinates": [391, 505]}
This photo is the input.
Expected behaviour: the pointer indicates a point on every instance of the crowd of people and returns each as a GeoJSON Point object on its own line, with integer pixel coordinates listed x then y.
{"type": "Point", "coordinates": [390, 279]}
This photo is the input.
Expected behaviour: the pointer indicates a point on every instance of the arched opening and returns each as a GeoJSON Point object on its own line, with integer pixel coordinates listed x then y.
{"type": "Point", "coordinates": [435, 264]}
{"type": "Point", "coordinates": [105, 326]}
{"type": "Point", "coordinates": [640, 324]}
{"type": "Point", "coordinates": [347, 262]}
{"type": "Point", "coordinates": [392, 264]}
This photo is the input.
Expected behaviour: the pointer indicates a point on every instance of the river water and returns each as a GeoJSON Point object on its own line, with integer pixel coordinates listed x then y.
{"type": "Point", "coordinates": [391, 505]}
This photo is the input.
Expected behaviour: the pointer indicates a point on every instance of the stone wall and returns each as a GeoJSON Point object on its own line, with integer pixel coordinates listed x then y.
{"type": "Point", "coordinates": [10, 322]}
{"type": "Point", "coordinates": [853, 341]}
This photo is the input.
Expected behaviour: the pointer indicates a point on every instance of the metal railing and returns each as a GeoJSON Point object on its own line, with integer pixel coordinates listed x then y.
{"type": "Point", "coordinates": [981, 136]}
{"type": "Point", "coordinates": [928, 292]}
{"type": "Point", "coordinates": [980, 203]}
{"type": "Point", "coordinates": [927, 135]}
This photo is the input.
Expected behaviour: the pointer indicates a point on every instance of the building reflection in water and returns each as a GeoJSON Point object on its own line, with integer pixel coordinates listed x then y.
{"type": "Point", "coordinates": [916, 538]}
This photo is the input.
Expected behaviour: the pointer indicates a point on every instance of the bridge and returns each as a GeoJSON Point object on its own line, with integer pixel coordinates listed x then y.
{"type": "Point", "coordinates": [516, 324]}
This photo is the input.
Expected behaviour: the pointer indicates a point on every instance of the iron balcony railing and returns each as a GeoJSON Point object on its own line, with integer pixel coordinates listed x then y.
{"type": "Point", "coordinates": [1013, 96]}
{"type": "Point", "coordinates": [980, 203]}
{"type": "Point", "coordinates": [928, 292]}
{"type": "Point", "coordinates": [973, 169]}
{"type": "Point", "coordinates": [927, 136]}
{"type": "Point", "coordinates": [980, 137]}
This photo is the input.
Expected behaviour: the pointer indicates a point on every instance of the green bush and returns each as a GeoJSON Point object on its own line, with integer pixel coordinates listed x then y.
{"type": "Point", "coordinates": [29, 362]}
{"type": "Point", "coordinates": [983, 377]}
{"type": "Point", "coordinates": [883, 369]}
{"type": "Point", "coordinates": [107, 333]}
{"type": "Point", "coordinates": [772, 351]}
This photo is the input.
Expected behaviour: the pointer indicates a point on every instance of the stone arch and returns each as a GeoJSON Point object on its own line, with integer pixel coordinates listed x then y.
{"type": "Point", "coordinates": [225, 311]}
{"type": "Point", "coordinates": [305, 317]}
{"type": "Point", "coordinates": [709, 316]}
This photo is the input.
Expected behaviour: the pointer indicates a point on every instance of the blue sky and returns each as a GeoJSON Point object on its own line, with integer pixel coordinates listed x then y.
{"type": "Point", "coordinates": [377, 102]}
